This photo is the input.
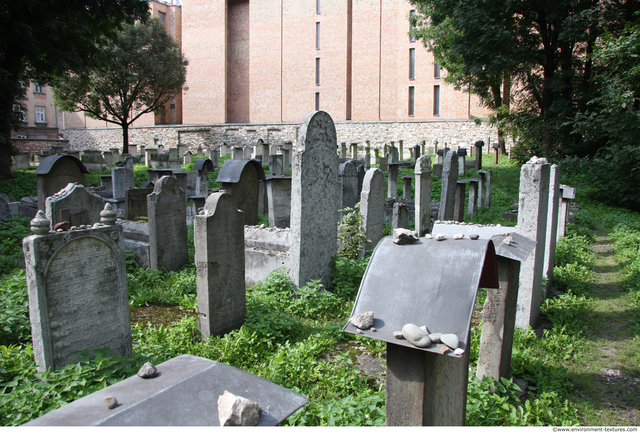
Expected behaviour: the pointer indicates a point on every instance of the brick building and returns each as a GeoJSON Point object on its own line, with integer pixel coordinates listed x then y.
{"type": "Point", "coordinates": [263, 61]}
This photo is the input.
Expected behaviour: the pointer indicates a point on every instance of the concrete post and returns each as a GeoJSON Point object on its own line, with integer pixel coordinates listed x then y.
{"type": "Point", "coordinates": [392, 181]}
{"type": "Point", "coordinates": [473, 197]}
{"type": "Point", "coordinates": [552, 226]}
{"type": "Point", "coordinates": [458, 209]}
{"type": "Point", "coordinates": [423, 195]}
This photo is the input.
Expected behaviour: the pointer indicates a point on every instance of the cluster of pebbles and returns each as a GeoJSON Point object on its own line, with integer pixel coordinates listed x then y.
{"type": "Point", "coordinates": [417, 336]}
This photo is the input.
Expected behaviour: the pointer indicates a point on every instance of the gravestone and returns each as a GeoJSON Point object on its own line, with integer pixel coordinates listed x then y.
{"type": "Point", "coordinates": [348, 177]}
{"type": "Point", "coordinates": [20, 161]}
{"type": "Point", "coordinates": [384, 164]}
{"type": "Point", "coordinates": [567, 194]}
{"type": "Point", "coordinates": [343, 150]}
{"type": "Point", "coordinates": [77, 285]}
{"type": "Point", "coordinates": [187, 158]}
{"type": "Point", "coordinates": [372, 206]}
{"type": "Point", "coordinates": [93, 160]}
{"type": "Point", "coordinates": [552, 226]}
{"type": "Point", "coordinates": [203, 167]}
{"type": "Point", "coordinates": [473, 197]}
{"type": "Point", "coordinates": [478, 145]}
{"type": "Point", "coordinates": [462, 154]}
{"type": "Point", "coordinates": [532, 223]}
{"type": "Point", "coordinates": [394, 155]}
{"type": "Point", "coordinates": [74, 204]}
{"type": "Point", "coordinates": [276, 165]}
{"type": "Point", "coordinates": [122, 179]}
{"type": "Point", "coordinates": [219, 257]}
{"type": "Point", "coordinates": [150, 156]}
{"type": "Point", "coordinates": [458, 208]}
{"type": "Point", "coordinates": [406, 187]}
{"type": "Point", "coordinates": [400, 216]}
{"type": "Point", "coordinates": [279, 201]}
{"type": "Point", "coordinates": [241, 178]}
{"type": "Point", "coordinates": [449, 183]}
{"type": "Point", "coordinates": [354, 150]}
{"type": "Point", "coordinates": [135, 203]}
{"type": "Point", "coordinates": [5, 211]}
{"type": "Point", "coordinates": [392, 180]}
{"type": "Point", "coordinates": [423, 195]}
{"type": "Point", "coordinates": [314, 200]}
{"type": "Point", "coordinates": [167, 215]}
{"type": "Point", "coordinates": [56, 172]}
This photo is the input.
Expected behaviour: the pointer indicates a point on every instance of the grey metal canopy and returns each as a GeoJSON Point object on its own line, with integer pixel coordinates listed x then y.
{"type": "Point", "coordinates": [232, 169]}
{"type": "Point", "coordinates": [203, 163]}
{"type": "Point", "coordinates": [47, 163]}
{"type": "Point", "coordinates": [428, 283]}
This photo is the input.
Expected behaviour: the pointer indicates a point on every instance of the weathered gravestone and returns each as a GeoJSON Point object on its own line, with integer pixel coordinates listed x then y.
{"type": "Point", "coordinates": [279, 201]}
{"type": "Point", "coordinates": [400, 218]}
{"type": "Point", "coordinates": [348, 176]}
{"type": "Point", "coordinates": [219, 257]}
{"type": "Point", "coordinates": [20, 161]}
{"type": "Point", "coordinates": [423, 195]}
{"type": "Point", "coordinates": [241, 178]}
{"type": "Point", "coordinates": [276, 165]}
{"type": "Point", "coordinates": [135, 203]}
{"type": "Point", "coordinates": [552, 226]}
{"type": "Point", "coordinates": [75, 204]}
{"type": "Point", "coordinates": [122, 179]}
{"type": "Point", "coordinates": [314, 200]}
{"type": "Point", "coordinates": [449, 183]}
{"type": "Point", "coordinates": [372, 206]}
{"type": "Point", "coordinates": [532, 223]}
{"type": "Point", "coordinates": [93, 160]}
{"type": "Point", "coordinates": [77, 285]}
{"type": "Point", "coordinates": [55, 172]}
{"type": "Point", "coordinates": [167, 225]}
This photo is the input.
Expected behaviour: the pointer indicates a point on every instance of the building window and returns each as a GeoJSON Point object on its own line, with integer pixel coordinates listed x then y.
{"type": "Point", "coordinates": [317, 36]}
{"type": "Point", "coordinates": [317, 71]}
{"type": "Point", "coordinates": [412, 97]}
{"type": "Point", "coordinates": [172, 106]}
{"type": "Point", "coordinates": [40, 115]}
{"type": "Point", "coordinates": [317, 6]}
{"type": "Point", "coordinates": [163, 19]}
{"type": "Point", "coordinates": [412, 38]}
{"type": "Point", "coordinates": [436, 70]}
{"type": "Point", "coordinates": [317, 101]}
{"type": "Point", "coordinates": [37, 88]}
{"type": "Point", "coordinates": [412, 63]}
{"type": "Point", "coordinates": [436, 100]}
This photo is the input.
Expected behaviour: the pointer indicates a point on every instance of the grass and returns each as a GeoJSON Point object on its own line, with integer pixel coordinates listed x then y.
{"type": "Point", "coordinates": [580, 367]}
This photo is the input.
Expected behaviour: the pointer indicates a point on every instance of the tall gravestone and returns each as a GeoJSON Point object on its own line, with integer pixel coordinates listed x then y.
{"type": "Point", "coordinates": [314, 200]}
{"type": "Point", "coordinates": [167, 225]}
{"type": "Point", "coordinates": [77, 285]}
{"type": "Point", "coordinates": [372, 206]}
{"type": "Point", "coordinates": [75, 204]}
{"type": "Point", "coordinates": [219, 257]}
{"type": "Point", "coordinates": [422, 193]}
{"type": "Point", "coordinates": [552, 225]}
{"type": "Point", "coordinates": [348, 176]}
{"type": "Point", "coordinates": [400, 219]}
{"type": "Point", "coordinates": [135, 203]}
{"type": "Point", "coordinates": [449, 184]}
{"type": "Point", "coordinates": [122, 179]}
{"type": "Point", "coordinates": [532, 223]}
{"type": "Point", "coordinates": [241, 178]}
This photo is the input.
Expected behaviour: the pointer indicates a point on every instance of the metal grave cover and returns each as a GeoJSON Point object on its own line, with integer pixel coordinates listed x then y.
{"type": "Point", "coordinates": [427, 283]}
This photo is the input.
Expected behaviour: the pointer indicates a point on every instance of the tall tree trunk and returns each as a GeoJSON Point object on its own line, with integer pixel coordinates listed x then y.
{"type": "Point", "coordinates": [125, 137]}
{"type": "Point", "coordinates": [9, 89]}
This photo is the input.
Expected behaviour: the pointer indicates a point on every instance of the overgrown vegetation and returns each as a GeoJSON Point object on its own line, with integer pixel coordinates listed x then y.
{"type": "Point", "coordinates": [293, 336]}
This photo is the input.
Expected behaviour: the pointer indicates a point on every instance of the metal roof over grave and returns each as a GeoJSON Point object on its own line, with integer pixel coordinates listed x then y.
{"type": "Point", "coordinates": [427, 283]}
{"type": "Point", "coordinates": [47, 164]}
{"type": "Point", "coordinates": [231, 170]}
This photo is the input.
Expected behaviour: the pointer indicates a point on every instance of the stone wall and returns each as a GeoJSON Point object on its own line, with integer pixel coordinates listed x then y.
{"type": "Point", "coordinates": [378, 133]}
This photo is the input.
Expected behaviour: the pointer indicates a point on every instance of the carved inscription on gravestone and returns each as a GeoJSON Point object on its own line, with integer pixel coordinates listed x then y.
{"type": "Point", "coordinates": [77, 294]}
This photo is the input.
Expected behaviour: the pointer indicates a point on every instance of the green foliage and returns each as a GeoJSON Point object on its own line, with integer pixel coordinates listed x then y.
{"type": "Point", "coordinates": [12, 232]}
{"type": "Point", "coordinates": [15, 327]}
{"type": "Point", "coordinates": [346, 276]}
{"type": "Point", "coordinates": [26, 394]}
{"type": "Point", "coordinates": [351, 236]}
{"type": "Point", "coordinates": [23, 184]}
{"type": "Point", "coordinates": [140, 174]}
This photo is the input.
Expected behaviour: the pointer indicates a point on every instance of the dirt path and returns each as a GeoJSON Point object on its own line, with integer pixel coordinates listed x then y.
{"type": "Point", "coordinates": [611, 379]}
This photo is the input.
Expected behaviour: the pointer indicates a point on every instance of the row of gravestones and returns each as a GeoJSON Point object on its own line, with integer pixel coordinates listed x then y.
{"type": "Point", "coordinates": [88, 262]}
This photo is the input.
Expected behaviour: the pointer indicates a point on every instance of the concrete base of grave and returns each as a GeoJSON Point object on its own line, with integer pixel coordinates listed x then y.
{"type": "Point", "coordinates": [266, 250]}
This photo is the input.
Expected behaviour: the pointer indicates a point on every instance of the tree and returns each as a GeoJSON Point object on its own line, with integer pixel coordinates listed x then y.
{"type": "Point", "coordinates": [40, 39]}
{"type": "Point", "coordinates": [139, 71]}
{"type": "Point", "coordinates": [538, 48]}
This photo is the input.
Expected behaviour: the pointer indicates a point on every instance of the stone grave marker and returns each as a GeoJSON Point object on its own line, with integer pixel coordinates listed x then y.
{"type": "Point", "coordinates": [56, 172]}
{"type": "Point", "coordinates": [400, 216]}
{"type": "Point", "coordinates": [167, 215]}
{"type": "Point", "coordinates": [348, 176]}
{"type": "Point", "coordinates": [552, 226]}
{"type": "Point", "coordinates": [219, 257]}
{"type": "Point", "coordinates": [314, 200]}
{"type": "Point", "coordinates": [241, 178]}
{"type": "Point", "coordinates": [122, 179]}
{"type": "Point", "coordinates": [422, 198]}
{"type": "Point", "coordinates": [75, 204]}
{"type": "Point", "coordinates": [449, 183]}
{"type": "Point", "coordinates": [372, 206]}
{"type": "Point", "coordinates": [93, 160]}
{"type": "Point", "coordinates": [279, 201]}
{"type": "Point", "coordinates": [532, 223]}
{"type": "Point", "coordinates": [135, 203]}
{"type": "Point", "coordinates": [203, 167]}
{"type": "Point", "coordinates": [77, 287]}
{"type": "Point", "coordinates": [276, 165]}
